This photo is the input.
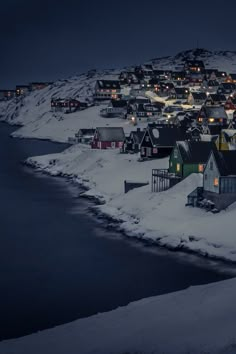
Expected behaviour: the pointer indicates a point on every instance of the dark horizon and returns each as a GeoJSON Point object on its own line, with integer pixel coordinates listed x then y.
{"type": "Point", "coordinates": [44, 41]}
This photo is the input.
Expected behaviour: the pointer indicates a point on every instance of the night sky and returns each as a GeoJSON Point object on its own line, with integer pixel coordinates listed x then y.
{"type": "Point", "coordinates": [50, 39]}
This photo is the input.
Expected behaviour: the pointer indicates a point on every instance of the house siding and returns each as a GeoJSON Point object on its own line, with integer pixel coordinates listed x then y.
{"type": "Point", "coordinates": [228, 185]}
{"type": "Point", "coordinates": [209, 176]}
{"type": "Point", "coordinates": [190, 168]}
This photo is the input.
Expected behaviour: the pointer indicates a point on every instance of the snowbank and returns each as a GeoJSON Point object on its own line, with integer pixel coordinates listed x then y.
{"type": "Point", "coordinates": [198, 320]}
{"type": "Point", "coordinates": [160, 217]}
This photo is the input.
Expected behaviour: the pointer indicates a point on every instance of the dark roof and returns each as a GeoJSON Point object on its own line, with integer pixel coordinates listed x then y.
{"type": "Point", "coordinates": [199, 95]}
{"type": "Point", "coordinates": [86, 131]}
{"type": "Point", "coordinates": [108, 84]}
{"type": "Point", "coordinates": [217, 97]}
{"type": "Point", "coordinates": [213, 83]}
{"type": "Point", "coordinates": [137, 136]}
{"type": "Point", "coordinates": [195, 151]}
{"type": "Point", "coordinates": [111, 134]}
{"type": "Point", "coordinates": [214, 112]}
{"type": "Point", "coordinates": [181, 90]}
{"type": "Point", "coordinates": [228, 85]}
{"type": "Point", "coordinates": [165, 136]}
{"type": "Point", "coordinates": [233, 76]}
{"type": "Point", "coordinates": [197, 63]}
{"type": "Point", "coordinates": [225, 161]}
{"type": "Point", "coordinates": [118, 103]}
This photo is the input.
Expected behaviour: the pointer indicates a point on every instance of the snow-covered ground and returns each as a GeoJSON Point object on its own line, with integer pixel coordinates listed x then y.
{"type": "Point", "coordinates": [161, 217]}
{"type": "Point", "coordinates": [199, 320]}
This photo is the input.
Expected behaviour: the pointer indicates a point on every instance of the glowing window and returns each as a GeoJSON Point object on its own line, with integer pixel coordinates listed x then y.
{"type": "Point", "coordinates": [216, 182]}
{"type": "Point", "coordinates": [178, 167]}
{"type": "Point", "coordinates": [200, 168]}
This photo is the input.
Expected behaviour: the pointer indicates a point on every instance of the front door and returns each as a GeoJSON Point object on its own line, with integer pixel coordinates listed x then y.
{"type": "Point", "coordinates": [149, 152]}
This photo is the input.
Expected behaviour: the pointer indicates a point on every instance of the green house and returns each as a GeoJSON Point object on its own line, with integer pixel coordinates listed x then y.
{"type": "Point", "coordinates": [189, 157]}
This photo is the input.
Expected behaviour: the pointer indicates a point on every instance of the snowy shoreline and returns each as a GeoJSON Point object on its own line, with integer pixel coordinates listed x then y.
{"type": "Point", "coordinates": [102, 210]}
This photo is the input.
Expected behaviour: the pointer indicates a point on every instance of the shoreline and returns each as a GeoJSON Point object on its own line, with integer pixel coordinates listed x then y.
{"type": "Point", "coordinates": [114, 223]}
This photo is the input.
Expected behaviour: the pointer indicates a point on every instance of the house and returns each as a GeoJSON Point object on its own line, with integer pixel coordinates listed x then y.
{"type": "Point", "coordinates": [180, 93]}
{"type": "Point", "coordinates": [230, 104]}
{"type": "Point", "coordinates": [22, 90]}
{"type": "Point", "coordinates": [128, 78]}
{"type": "Point", "coordinates": [116, 108]}
{"type": "Point", "coordinates": [107, 89]}
{"type": "Point", "coordinates": [162, 74]}
{"type": "Point", "coordinates": [189, 157]}
{"type": "Point", "coordinates": [226, 88]}
{"type": "Point", "coordinates": [211, 74]}
{"type": "Point", "coordinates": [178, 76]}
{"type": "Point", "coordinates": [216, 99]}
{"type": "Point", "coordinates": [165, 88]}
{"type": "Point", "coordinates": [133, 141]}
{"type": "Point", "coordinates": [194, 66]}
{"type": "Point", "coordinates": [194, 133]}
{"type": "Point", "coordinates": [226, 140]}
{"type": "Point", "coordinates": [197, 98]}
{"type": "Point", "coordinates": [221, 75]}
{"type": "Point", "coordinates": [159, 140]}
{"type": "Point", "coordinates": [39, 85]}
{"type": "Point", "coordinates": [231, 78]}
{"type": "Point", "coordinates": [210, 132]}
{"type": "Point", "coordinates": [7, 94]}
{"type": "Point", "coordinates": [147, 111]}
{"type": "Point", "coordinates": [108, 138]}
{"type": "Point", "coordinates": [215, 115]}
{"type": "Point", "coordinates": [67, 105]}
{"type": "Point", "coordinates": [85, 136]}
{"type": "Point", "coordinates": [219, 178]}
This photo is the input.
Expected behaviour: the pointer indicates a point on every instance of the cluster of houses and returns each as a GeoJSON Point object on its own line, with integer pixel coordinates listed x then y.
{"type": "Point", "coordinates": [189, 117]}
{"type": "Point", "coordinates": [22, 90]}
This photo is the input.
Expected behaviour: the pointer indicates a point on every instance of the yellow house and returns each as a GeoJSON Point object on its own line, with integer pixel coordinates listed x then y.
{"type": "Point", "coordinates": [226, 140]}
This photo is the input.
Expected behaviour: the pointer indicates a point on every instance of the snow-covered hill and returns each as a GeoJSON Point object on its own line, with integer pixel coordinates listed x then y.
{"type": "Point", "coordinates": [221, 60]}
{"type": "Point", "coordinates": [34, 111]}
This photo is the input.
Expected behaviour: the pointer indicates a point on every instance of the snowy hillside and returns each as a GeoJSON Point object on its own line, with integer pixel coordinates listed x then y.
{"type": "Point", "coordinates": [221, 60]}
{"type": "Point", "coordinates": [34, 111]}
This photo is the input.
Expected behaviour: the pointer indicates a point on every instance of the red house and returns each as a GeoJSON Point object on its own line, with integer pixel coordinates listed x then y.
{"type": "Point", "coordinates": [230, 103]}
{"type": "Point", "coordinates": [108, 138]}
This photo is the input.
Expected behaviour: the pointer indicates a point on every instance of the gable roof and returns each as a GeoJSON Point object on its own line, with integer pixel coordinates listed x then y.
{"type": "Point", "coordinates": [165, 136]}
{"type": "Point", "coordinates": [108, 84]}
{"type": "Point", "coordinates": [216, 97]}
{"type": "Point", "coordinates": [195, 151]}
{"type": "Point", "coordinates": [181, 90]}
{"type": "Point", "coordinates": [225, 161]}
{"type": "Point", "coordinates": [199, 95]}
{"type": "Point", "coordinates": [137, 136]}
{"type": "Point", "coordinates": [214, 112]}
{"type": "Point", "coordinates": [111, 134]}
{"type": "Point", "coordinates": [229, 133]}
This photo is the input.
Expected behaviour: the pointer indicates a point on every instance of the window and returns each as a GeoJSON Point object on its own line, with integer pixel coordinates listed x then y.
{"type": "Point", "coordinates": [205, 177]}
{"type": "Point", "coordinates": [178, 167]}
{"type": "Point", "coordinates": [200, 168]}
{"type": "Point", "coordinates": [113, 144]}
{"type": "Point", "coordinates": [216, 182]}
{"type": "Point", "coordinates": [147, 139]}
{"type": "Point", "coordinates": [154, 150]}
{"type": "Point", "coordinates": [211, 165]}
{"type": "Point", "coordinates": [175, 153]}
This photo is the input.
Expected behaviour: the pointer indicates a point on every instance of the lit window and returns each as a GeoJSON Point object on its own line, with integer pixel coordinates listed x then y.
{"type": "Point", "coordinates": [211, 120]}
{"type": "Point", "coordinates": [200, 119]}
{"type": "Point", "coordinates": [216, 182]}
{"type": "Point", "coordinates": [200, 168]}
{"type": "Point", "coordinates": [178, 167]}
